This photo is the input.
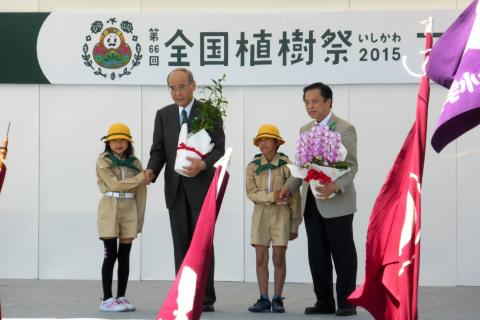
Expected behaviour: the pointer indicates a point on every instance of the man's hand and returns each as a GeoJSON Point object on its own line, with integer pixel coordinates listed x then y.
{"type": "Point", "coordinates": [276, 195]}
{"type": "Point", "coordinates": [149, 176]}
{"type": "Point", "coordinates": [326, 190]}
{"type": "Point", "coordinates": [283, 194]}
{"type": "Point", "coordinates": [195, 168]}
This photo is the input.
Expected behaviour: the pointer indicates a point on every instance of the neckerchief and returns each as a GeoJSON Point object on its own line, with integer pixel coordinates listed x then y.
{"type": "Point", "coordinates": [267, 166]}
{"type": "Point", "coordinates": [123, 162]}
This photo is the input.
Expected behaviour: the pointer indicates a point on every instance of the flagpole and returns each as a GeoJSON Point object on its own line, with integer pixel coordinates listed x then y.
{"type": "Point", "coordinates": [224, 162]}
{"type": "Point", "coordinates": [428, 29]}
{"type": "Point", "coordinates": [428, 25]}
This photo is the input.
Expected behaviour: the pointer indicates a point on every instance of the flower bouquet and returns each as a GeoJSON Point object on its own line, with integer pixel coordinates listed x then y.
{"type": "Point", "coordinates": [320, 157]}
{"type": "Point", "coordinates": [194, 140]}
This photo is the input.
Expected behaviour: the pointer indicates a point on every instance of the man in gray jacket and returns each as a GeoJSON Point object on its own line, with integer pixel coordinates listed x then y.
{"type": "Point", "coordinates": [329, 222]}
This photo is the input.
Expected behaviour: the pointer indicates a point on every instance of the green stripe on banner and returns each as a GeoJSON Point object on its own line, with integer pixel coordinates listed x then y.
{"type": "Point", "coordinates": [18, 47]}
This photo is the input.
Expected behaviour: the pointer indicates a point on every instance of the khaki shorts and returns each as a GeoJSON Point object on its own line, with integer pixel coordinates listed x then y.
{"type": "Point", "coordinates": [117, 218]}
{"type": "Point", "coordinates": [270, 225]}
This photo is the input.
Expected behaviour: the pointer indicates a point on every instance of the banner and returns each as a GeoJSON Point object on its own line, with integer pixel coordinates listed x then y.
{"type": "Point", "coordinates": [390, 288]}
{"type": "Point", "coordinates": [259, 48]}
{"type": "Point", "coordinates": [185, 297]}
{"type": "Point", "coordinates": [454, 64]}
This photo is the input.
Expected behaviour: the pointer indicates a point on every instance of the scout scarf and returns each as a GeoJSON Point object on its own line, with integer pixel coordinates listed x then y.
{"type": "Point", "coordinates": [266, 166]}
{"type": "Point", "coordinates": [123, 162]}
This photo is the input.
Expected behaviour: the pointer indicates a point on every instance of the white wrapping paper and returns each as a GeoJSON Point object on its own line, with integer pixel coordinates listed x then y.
{"type": "Point", "coordinates": [301, 173]}
{"type": "Point", "coordinates": [200, 141]}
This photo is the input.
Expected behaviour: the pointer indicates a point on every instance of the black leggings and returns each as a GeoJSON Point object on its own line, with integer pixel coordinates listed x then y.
{"type": "Point", "coordinates": [110, 256]}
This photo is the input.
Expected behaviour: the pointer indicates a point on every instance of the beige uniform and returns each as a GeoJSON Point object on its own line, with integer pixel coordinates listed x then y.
{"type": "Point", "coordinates": [120, 217]}
{"type": "Point", "coordinates": [271, 223]}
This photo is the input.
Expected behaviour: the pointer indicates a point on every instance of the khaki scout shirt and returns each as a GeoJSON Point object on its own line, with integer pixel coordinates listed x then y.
{"type": "Point", "coordinates": [112, 179]}
{"type": "Point", "coordinates": [260, 189]}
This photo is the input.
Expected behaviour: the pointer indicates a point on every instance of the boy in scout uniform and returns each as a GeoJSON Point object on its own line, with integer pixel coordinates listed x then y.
{"type": "Point", "coordinates": [273, 222]}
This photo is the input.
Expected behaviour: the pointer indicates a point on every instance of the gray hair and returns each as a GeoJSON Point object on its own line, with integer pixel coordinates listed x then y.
{"type": "Point", "coordinates": [184, 70]}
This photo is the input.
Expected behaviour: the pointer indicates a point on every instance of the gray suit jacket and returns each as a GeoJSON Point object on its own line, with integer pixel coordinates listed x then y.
{"type": "Point", "coordinates": [344, 203]}
{"type": "Point", "coordinates": [164, 151]}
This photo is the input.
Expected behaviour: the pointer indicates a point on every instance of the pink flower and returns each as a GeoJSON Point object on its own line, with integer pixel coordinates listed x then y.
{"type": "Point", "coordinates": [320, 145]}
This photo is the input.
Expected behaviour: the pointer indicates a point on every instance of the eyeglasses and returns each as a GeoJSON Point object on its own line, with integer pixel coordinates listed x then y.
{"type": "Point", "coordinates": [307, 102]}
{"type": "Point", "coordinates": [180, 89]}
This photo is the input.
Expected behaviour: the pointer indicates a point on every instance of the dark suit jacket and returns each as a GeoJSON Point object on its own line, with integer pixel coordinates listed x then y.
{"type": "Point", "coordinates": [164, 151]}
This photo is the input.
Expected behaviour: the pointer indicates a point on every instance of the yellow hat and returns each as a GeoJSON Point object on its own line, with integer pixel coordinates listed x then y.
{"type": "Point", "coordinates": [268, 131]}
{"type": "Point", "coordinates": [118, 131]}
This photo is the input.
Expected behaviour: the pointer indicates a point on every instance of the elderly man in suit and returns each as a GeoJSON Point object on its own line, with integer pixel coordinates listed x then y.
{"type": "Point", "coordinates": [329, 222]}
{"type": "Point", "coordinates": [183, 195]}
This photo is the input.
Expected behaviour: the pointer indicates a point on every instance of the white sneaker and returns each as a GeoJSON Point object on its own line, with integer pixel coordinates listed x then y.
{"type": "Point", "coordinates": [124, 302]}
{"type": "Point", "coordinates": [111, 304]}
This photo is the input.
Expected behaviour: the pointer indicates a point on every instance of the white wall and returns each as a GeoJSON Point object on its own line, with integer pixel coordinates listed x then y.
{"type": "Point", "coordinates": [48, 205]}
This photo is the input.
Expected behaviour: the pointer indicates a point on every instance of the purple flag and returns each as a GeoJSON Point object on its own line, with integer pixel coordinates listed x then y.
{"type": "Point", "coordinates": [455, 63]}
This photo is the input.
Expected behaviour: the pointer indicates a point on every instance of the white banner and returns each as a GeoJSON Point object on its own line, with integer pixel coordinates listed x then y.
{"type": "Point", "coordinates": [250, 48]}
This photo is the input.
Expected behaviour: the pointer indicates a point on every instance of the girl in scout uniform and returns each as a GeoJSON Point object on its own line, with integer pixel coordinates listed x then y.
{"type": "Point", "coordinates": [122, 181]}
{"type": "Point", "coordinates": [272, 221]}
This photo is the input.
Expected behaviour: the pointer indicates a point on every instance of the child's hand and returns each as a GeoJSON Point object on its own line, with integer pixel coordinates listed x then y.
{"type": "Point", "coordinates": [148, 180]}
{"type": "Point", "coordinates": [149, 175]}
{"type": "Point", "coordinates": [293, 235]}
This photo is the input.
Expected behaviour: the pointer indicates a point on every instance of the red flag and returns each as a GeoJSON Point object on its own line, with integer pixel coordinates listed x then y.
{"type": "Point", "coordinates": [390, 288]}
{"type": "Point", "coordinates": [185, 298]}
{"type": "Point", "coordinates": [3, 156]}
{"type": "Point", "coordinates": [3, 172]}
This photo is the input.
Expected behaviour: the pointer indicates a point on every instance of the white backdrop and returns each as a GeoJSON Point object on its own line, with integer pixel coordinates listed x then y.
{"type": "Point", "coordinates": [48, 205]}
{"type": "Point", "coordinates": [251, 49]}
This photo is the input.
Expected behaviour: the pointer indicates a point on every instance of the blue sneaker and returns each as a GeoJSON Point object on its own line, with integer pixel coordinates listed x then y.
{"type": "Point", "coordinates": [277, 305]}
{"type": "Point", "coordinates": [260, 306]}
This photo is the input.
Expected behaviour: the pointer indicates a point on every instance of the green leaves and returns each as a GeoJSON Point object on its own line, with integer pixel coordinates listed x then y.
{"type": "Point", "coordinates": [212, 109]}
{"type": "Point", "coordinates": [342, 165]}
